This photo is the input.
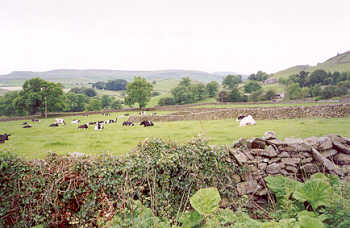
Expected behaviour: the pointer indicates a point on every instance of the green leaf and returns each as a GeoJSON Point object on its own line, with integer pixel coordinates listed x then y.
{"type": "Point", "coordinates": [191, 219]}
{"type": "Point", "coordinates": [282, 186]}
{"type": "Point", "coordinates": [206, 201]}
{"type": "Point", "coordinates": [310, 222]}
{"type": "Point", "coordinates": [316, 191]}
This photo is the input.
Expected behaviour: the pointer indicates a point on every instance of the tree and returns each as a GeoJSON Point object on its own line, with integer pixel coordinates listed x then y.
{"type": "Point", "coordinates": [300, 78]}
{"type": "Point", "coordinates": [106, 101]}
{"type": "Point", "coordinates": [90, 92]}
{"type": "Point", "coordinates": [94, 105]}
{"type": "Point", "coordinates": [236, 96]}
{"type": "Point", "coordinates": [251, 87]}
{"type": "Point", "coordinates": [256, 95]}
{"type": "Point", "coordinates": [333, 91]}
{"type": "Point", "coordinates": [213, 88]}
{"type": "Point", "coordinates": [118, 84]}
{"type": "Point", "coordinates": [269, 95]}
{"type": "Point", "coordinates": [117, 104]}
{"type": "Point", "coordinates": [75, 102]}
{"type": "Point", "coordinates": [166, 101]}
{"type": "Point", "coordinates": [139, 91]}
{"type": "Point", "coordinates": [8, 106]}
{"type": "Point", "coordinates": [38, 94]}
{"type": "Point", "coordinates": [259, 76]}
{"type": "Point", "coordinates": [231, 81]}
{"type": "Point", "coordinates": [199, 91]}
{"type": "Point", "coordinates": [294, 91]}
{"type": "Point", "coordinates": [317, 77]}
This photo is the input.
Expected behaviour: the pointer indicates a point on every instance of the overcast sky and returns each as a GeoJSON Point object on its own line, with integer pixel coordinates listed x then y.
{"type": "Point", "coordinates": [209, 35]}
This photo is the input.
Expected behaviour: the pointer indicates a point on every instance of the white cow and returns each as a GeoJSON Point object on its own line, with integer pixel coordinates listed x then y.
{"type": "Point", "coordinates": [75, 121]}
{"type": "Point", "coordinates": [248, 120]}
{"type": "Point", "coordinates": [60, 121]}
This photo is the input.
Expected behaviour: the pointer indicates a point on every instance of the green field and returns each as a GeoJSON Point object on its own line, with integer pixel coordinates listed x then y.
{"type": "Point", "coordinates": [36, 142]}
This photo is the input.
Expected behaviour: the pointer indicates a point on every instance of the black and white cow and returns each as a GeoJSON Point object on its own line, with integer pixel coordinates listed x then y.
{"type": "Point", "coordinates": [147, 123]}
{"type": "Point", "coordinates": [60, 121]}
{"type": "Point", "coordinates": [4, 137]}
{"type": "Point", "coordinates": [53, 125]}
{"type": "Point", "coordinates": [27, 126]}
{"type": "Point", "coordinates": [99, 126]}
{"type": "Point", "coordinates": [75, 121]}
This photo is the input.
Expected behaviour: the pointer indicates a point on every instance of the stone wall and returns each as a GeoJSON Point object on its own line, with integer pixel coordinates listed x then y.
{"type": "Point", "coordinates": [261, 113]}
{"type": "Point", "coordinates": [294, 158]}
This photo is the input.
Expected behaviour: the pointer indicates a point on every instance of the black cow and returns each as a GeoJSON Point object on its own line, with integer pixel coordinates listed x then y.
{"type": "Point", "coordinates": [35, 120]}
{"type": "Point", "coordinates": [53, 125]}
{"type": "Point", "coordinates": [147, 123]}
{"type": "Point", "coordinates": [128, 123]}
{"type": "Point", "coordinates": [25, 123]}
{"type": "Point", "coordinates": [84, 126]}
{"type": "Point", "coordinates": [92, 123]}
{"type": "Point", "coordinates": [4, 137]}
{"type": "Point", "coordinates": [27, 126]}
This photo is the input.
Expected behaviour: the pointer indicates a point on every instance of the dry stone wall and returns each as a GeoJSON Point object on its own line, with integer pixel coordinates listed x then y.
{"type": "Point", "coordinates": [294, 158]}
{"type": "Point", "coordinates": [270, 113]}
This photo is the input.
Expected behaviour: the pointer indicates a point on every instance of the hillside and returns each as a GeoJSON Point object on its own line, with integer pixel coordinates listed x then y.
{"type": "Point", "coordinates": [340, 62]}
{"type": "Point", "coordinates": [77, 77]}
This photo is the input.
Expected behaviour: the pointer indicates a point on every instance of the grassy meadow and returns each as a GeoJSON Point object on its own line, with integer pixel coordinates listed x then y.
{"type": "Point", "coordinates": [36, 142]}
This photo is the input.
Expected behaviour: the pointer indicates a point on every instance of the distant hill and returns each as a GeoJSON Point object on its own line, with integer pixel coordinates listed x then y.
{"type": "Point", "coordinates": [340, 63]}
{"type": "Point", "coordinates": [75, 77]}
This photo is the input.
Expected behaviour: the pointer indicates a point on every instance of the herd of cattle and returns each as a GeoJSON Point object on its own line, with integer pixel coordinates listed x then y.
{"type": "Point", "coordinates": [98, 125]}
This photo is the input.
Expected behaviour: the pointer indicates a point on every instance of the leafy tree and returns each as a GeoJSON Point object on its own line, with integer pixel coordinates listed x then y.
{"type": "Point", "coordinates": [106, 101]}
{"type": "Point", "coordinates": [166, 101]}
{"type": "Point", "coordinates": [90, 92]}
{"type": "Point", "coordinates": [99, 85]}
{"type": "Point", "coordinates": [315, 91]}
{"type": "Point", "coordinates": [223, 96]}
{"type": "Point", "coordinates": [259, 76]}
{"type": "Point", "coordinates": [116, 104]}
{"type": "Point", "coordinates": [251, 87]}
{"type": "Point", "coordinates": [8, 106]}
{"type": "Point", "coordinates": [333, 91]}
{"type": "Point", "coordinates": [256, 95]}
{"type": "Point", "coordinates": [94, 105]}
{"type": "Point", "coordinates": [75, 102]}
{"type": "Point", "coordinates": [269, 94]}
{"type": "Point", "coordinates": [236, 96]}
{"type": "Point", "coordinates": [139, 91]}
{"type": "Point", "coordinates": [345, 84]}
{"type": "Point", "coordinates": [183, 95]}
{"type": "Point", "coordinates": [300, 78]}
{"type": "Point", "coordinates": [213, 88]}
{"type": "Point", "coordinates": [186, 81]}
{"type": "Point", "coordinates": [199, 91]}
{"type": "Point", "coordinates": [317, 77]}
{"type": "Point", "coordinates": [294, 91]}
{"type": "Point", "coordinates": [36, 93]}
{"type": "Point", "coordinates": [116, 85]}
{"type": "Point", "coordinates": [155, 93]}
{"type": "Point", "coordinates": [231, 81]}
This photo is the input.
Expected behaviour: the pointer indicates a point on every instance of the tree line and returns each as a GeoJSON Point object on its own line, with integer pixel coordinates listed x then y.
{"type": "Point", "coordinates": [318, 84]}
{"type": "Point", "coordinates": [115, 85]}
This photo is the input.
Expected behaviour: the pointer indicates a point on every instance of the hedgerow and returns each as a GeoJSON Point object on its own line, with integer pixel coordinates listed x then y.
{"type": "Point", "coordinates": [62, 190]}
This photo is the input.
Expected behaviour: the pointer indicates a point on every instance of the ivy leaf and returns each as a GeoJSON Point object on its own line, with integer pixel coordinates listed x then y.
{"type": "Point", "coordinates": [205, 201]}
{"type": "Point", "coordinates": [316, 191]}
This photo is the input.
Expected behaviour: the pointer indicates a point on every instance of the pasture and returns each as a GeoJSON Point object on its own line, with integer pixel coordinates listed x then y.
{"type": "Point", "coordinates": [36, 142]}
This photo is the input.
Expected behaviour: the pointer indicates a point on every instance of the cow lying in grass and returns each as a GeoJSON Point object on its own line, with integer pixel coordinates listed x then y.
{"type": "Point", "coordinates": [27, 126]}
{"type": "Point", "coordinates": [147, 123]}
{"type": "Point", "coordinates": [128, 123]}
{"type": "Point", "coordinates": [53, 125]}
{"type": "Point", "coordinates": [60, 121]}
{"type": "Point", "coordinates": [4, 137]}
{"type": "Point", "coordinates": [99, 126]}
{"type": "Point", "coordinates": [246, 120]}
{"type": "Point", "coordinates": [75, 121]}
{"type": "Point", "coordinates": [35, 120]}
{"type": "Point", "coordinates": [84, 126]}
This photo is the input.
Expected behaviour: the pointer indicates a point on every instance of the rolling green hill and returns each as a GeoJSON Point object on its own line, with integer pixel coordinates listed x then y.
{"type": "Point", "coordinates": [340, 63]}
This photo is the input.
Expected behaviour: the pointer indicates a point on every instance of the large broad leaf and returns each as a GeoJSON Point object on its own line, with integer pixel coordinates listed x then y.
{"type": "Point", "coordinates": [282, 186]}
{"type": "Point", "coordinates": [191, 219]}
{"type": "Point", "coordinates": [316, 191]}
{"type": "Point", "coordinates": [310, 222]}
{"type": "Point", "coordinates": [206, 201]}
